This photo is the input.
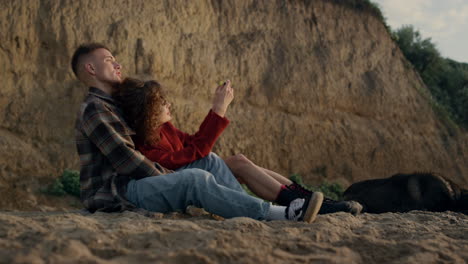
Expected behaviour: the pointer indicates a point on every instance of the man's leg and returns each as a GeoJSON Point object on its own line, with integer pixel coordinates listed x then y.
{"type": "Point", "coordinates": [216, 166]}
{"type": "Point", "coordinates": [175, 191]}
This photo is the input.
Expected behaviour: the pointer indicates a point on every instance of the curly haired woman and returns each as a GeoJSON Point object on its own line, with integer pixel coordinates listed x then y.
{"type": "Point", "coordinates": [148, 112]}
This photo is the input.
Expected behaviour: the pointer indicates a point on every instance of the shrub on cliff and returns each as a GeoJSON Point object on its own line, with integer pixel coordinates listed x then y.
{"type": "Point", "coordinates": [67, 183]}
{"type": "Point", "coordinates": [446, 79]}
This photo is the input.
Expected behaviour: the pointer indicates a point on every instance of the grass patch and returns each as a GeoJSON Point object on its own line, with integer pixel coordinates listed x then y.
{"type": "Point", "coordinates": [248, 191]}
{"type": "Point", "coordinates": [331, 190]}
{"type": "Point", "coordinates": [67, 183]}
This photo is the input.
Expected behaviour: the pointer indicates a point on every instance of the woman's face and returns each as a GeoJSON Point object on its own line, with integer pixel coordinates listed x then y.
{"type": "Point", "coordinates": [166, 112]}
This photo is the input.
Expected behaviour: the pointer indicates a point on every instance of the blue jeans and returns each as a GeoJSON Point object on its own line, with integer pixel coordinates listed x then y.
{"type": "Point", "coordinates": [216, 166]}
{"type": "Point", "coordinates": [206, 183]}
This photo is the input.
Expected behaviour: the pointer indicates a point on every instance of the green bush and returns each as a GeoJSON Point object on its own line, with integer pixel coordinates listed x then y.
{"type": "Point", "coordinates": [56, 188]}
{"type": "Point", "coordinates": [331, 190]}
{"type": "Point", "coordinates": [462, 104]}
{"type": "Point", "coordinates": [248, 191]}
{"type": "Point", "coordinates": [446, 79]}
{"type": "Point", "coordinates": [366, 6]}
{"type": "Point", "coordinates": [71, 182]}
{"type": "Point", "coordinates": [67, 183]}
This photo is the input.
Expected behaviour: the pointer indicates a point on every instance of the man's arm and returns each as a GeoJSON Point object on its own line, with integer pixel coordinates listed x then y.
{"type": "Point", "coordinates": [106, 130]}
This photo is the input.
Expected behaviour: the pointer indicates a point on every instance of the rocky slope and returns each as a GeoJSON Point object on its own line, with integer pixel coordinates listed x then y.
{"type": "Point", "coordinates": [321, 89]}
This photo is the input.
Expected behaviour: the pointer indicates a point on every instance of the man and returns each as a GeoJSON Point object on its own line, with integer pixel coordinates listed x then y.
{"type": "Point", "coordinates": [116, 177]}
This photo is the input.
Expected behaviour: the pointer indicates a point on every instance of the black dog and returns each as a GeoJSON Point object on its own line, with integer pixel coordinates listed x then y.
{"type": "Point", "coordinates": [406, 192]}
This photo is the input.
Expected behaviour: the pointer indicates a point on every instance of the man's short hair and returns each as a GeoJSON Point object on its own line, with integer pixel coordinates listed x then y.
{"type": "Point", "coordinates": [82, 50]}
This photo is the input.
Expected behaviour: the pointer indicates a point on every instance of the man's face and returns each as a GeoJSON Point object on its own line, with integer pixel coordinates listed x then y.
{"type": "Point", "coordinates": [106, 68]}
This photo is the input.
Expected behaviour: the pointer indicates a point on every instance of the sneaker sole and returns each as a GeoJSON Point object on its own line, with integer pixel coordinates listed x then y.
{"type": "Point", "coordinates": [314, 206]}
{"type": "Point", "coordinates": [356, 207]}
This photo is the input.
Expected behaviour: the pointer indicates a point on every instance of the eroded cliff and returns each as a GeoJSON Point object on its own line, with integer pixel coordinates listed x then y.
{"type": "Point", "coordinates": [321, 89]}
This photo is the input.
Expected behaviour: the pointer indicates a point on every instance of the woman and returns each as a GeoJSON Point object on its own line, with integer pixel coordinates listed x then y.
{"type": "Point", "coordinates": [148, 112]}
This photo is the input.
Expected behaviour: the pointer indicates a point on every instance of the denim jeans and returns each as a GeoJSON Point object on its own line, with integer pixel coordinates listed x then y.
{"type": "Point", "coordinates": [216, 166]}
{"type": "Point", "coordinates": [207, 183]}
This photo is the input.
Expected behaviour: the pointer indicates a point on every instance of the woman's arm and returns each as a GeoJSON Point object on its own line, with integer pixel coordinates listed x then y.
{"type": "Point", "coordinates": [172, 154]}
{"type": "Point", "coordinates": [223, 96]}
{"type": "Point", "coordinates": [177, 149]}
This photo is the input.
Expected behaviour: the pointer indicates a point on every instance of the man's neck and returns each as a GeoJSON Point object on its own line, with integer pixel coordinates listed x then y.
{"type": "Point", "coordinates": [107, 88]}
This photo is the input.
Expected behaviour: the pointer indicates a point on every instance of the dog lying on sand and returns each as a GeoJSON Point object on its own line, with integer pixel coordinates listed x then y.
{"type": "Point", "coordinates": [406, 192]}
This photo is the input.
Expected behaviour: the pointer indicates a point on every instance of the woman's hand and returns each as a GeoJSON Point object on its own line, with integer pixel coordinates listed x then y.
{"type": "Point", "coordinates": [223, 96]}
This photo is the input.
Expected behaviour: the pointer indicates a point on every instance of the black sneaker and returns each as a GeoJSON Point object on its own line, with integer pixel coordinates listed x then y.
{"type": "Point", "coordinates": [305, 209]}
{"type": "Point", "coordinates": [299, 190]}
{"type": "Point", "coordinates": [330, 206]}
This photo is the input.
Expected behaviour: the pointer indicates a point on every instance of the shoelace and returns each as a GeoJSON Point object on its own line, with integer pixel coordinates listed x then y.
{"type": "Point", "coordinates": [305, 192]}
{"type": "Point", "coordinates": [302, 190]}
{"type": "Point", "coordinates": [328, 200]}
{"type": "Point", "coordinates": [294, 210]}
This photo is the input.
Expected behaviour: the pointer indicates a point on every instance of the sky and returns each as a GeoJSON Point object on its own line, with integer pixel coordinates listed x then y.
{"type": "Point", "coordinates": [444, 21]}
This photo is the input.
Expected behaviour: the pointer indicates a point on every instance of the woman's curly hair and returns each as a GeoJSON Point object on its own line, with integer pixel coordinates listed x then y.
{"type": "Point", "coordinates": [141, 102]}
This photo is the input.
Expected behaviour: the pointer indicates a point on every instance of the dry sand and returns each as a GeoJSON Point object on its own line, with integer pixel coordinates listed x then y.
{"type": "Point", "coordinates": [71, 237]}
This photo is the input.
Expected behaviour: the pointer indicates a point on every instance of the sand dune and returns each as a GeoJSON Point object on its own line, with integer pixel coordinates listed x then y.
{"type": "Point", "coordinates": [71, 237]}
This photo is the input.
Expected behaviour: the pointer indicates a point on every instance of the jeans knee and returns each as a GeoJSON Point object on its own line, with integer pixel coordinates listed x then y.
{"type": "Point", "coordinates": [213, 157]}
{"type": "Point", "coordinates": [194, 176]}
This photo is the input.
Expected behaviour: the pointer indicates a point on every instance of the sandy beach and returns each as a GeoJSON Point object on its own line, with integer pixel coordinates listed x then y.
{"type": "Point", "coordinates": [72, 237]}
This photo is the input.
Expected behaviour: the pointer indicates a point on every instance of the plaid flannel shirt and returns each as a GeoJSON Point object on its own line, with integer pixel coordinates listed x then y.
{"type": "Point", "coordinates": [107, 154]}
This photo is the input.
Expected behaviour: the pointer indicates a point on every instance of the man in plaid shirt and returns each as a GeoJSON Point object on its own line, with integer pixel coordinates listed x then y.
{"type": "Point", "coordinates": [116, 177]}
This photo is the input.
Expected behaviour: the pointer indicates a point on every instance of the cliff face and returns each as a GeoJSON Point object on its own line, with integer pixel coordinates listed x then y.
{"type": "Point", "coordinates": [321, 89]}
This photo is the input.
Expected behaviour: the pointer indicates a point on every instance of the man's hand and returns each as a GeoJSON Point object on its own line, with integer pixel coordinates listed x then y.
{"type": "Point", "coordinates": [222, 98]}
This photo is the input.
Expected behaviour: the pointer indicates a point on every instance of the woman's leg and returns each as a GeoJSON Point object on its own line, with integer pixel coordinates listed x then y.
{"type": "Point", "coordinates": [264, 183]}
{"type": "Point", "coordinates": [272, 186]}
{"type": "Point", "coordinates": [278, 177]}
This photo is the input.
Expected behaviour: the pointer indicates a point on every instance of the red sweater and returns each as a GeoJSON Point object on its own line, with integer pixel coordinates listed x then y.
{"type": "Point", "coordinates": [177, 148]}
